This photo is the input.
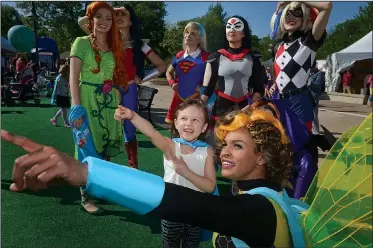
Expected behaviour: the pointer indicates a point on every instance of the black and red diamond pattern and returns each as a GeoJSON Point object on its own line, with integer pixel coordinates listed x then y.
{"type": "Point", "coordinates": [292, 65]}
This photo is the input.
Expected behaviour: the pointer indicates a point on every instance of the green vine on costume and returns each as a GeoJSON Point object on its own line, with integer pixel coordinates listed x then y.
{"type": "Point", "coordinates": [108, 99]}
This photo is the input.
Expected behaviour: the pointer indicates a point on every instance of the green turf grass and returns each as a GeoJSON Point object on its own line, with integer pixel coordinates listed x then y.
{"type": "Point", "coordinates": [53, 218]}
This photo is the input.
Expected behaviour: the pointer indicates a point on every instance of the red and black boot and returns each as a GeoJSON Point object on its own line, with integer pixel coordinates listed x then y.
{"type": "Point", "coordinates": [131, 150]}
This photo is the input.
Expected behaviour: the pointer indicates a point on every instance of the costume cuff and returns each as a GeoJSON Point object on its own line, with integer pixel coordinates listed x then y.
{"type": "Point", "coordinates": [171, 82]}
{"type": "Point", "coordinates": [136, 190]}
{"type": "Point", "coordinates": [76, 112]}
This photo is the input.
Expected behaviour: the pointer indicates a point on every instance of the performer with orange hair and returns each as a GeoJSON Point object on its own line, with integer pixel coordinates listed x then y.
{"type": "Point", "coordinates": [95, 70]}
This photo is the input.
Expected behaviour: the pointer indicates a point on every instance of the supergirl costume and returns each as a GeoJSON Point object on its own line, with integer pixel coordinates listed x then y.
{"type": "Point", "coordinates": [189, 72]}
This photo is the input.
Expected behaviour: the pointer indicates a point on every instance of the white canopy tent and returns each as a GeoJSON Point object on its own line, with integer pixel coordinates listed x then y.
{"type": "Point", "coordinates": [342, 60]}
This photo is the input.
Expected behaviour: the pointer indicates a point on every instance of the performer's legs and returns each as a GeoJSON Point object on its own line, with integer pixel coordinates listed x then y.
{"type": "Point", "coordinates": [174, 104]}
{"type": "Point", "coordinates": [302, 105]}
{"type": "Point", "coordinates": [130, 100]}
{"type": "Point", "coordinates": [86, 202]}
{"type": "Point", "coordinates": [171, 233]}
{"type": "Point", "coordinates": [306, 167]}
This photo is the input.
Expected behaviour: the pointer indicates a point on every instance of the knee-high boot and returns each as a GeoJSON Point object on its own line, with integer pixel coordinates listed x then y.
{"type": "Point", "coordinates": [131, 150]}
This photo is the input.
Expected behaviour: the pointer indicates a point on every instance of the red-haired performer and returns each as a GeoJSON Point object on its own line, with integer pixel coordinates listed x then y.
{"type": "Point", "coordinates": [95, 67]}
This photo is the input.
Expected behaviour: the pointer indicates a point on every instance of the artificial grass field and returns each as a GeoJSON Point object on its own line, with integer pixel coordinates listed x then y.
{"type": "Point", "coordinates": [52, 218]}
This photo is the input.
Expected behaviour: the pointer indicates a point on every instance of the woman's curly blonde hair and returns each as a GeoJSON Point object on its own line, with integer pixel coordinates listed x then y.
{"type": "Point", "coordinates": [269, 137]}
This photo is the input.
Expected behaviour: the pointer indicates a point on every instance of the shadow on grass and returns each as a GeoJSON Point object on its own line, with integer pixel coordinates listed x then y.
{"type": "Point", "coordinates": [152, 222]}
{"type": "Point", "coordinates": [68, 195]}
{"type": "Point", "coordinates": [5, 112]}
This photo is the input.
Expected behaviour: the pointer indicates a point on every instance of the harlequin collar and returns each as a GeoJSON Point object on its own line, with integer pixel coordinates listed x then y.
{"type": "Point", "coordinates": [293, 37]}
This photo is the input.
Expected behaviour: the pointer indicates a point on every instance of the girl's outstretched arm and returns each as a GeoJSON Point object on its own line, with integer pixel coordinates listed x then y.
{"type": "Point", "coordinates": [163, 143]}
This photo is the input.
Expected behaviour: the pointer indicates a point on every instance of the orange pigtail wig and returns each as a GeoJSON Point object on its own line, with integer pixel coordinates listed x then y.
{"type": "Point", "coordinates": [244, 120]}
{"type": "Point", "coordinates": [269, 137]}
{"type": "Point", "coordinates": [112, 40]}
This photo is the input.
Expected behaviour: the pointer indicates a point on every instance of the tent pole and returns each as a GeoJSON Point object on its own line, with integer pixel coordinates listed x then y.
{"type": "Point", "coordinates": [35, 32]}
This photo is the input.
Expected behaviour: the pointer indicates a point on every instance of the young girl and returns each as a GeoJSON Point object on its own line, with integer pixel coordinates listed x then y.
{"type": "Point", "coordinates": [60, 95]}
{"type": "Point", "coordinates": [188, 161]}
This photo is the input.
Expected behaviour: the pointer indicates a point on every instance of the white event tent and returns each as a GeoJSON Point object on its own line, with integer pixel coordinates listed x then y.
{"type": "Point", "coordinates": [342, 60]}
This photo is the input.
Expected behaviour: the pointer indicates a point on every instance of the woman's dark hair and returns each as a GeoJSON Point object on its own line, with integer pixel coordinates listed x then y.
{"type": "Point", "coordinates": [135, 33]}
{"type": "Point", "coordinates": [268, 141]}
{"type": "Point", "coordinates": [246, 41]}
{"type": "Point", "coordinates": [189, 102]}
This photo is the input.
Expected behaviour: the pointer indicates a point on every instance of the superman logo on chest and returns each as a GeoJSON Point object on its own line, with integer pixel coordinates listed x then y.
{"type": "Point", "coordinates": [186, 65]}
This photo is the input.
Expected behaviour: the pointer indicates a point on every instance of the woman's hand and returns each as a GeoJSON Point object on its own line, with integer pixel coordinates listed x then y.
{"type": "Point", "coordinates": [175, 87]}
{"type": "Point", "coordinates": [272, 90]}
{"type": "Point", "coordinates": [123, 113]}
{"type": "Point", "coordinates": [280, 5]}
{"type": "Point", "coordinates": [43, 165]}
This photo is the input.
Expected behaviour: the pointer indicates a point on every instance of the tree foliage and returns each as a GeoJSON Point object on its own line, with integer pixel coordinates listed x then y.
{"type": "Point", "coordinates": [213, 22]}
{"type": "Point", "coordinates": [151, 15]}
{"type": "Point", "coordinates": [59, 20]}
{"type": "Point", "coordinates": [348, 32]}
{"type": "Point", "coordinates": [9, 18]}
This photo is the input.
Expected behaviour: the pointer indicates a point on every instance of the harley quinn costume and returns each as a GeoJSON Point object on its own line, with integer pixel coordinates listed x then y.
{"type": "Point", "coordinates": [237, 71]}
{"type": "Point", "coordinates": [189, 71]}
{"type": "Point", "coordinates": [294, 58]}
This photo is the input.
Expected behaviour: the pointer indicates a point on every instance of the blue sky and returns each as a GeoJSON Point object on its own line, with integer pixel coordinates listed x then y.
{"type": "Point", "coordinates": [258, 14]}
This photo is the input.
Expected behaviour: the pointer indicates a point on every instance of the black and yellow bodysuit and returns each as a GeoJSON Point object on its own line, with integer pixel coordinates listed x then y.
{"type": "Point", "coordinates": [253, 219]}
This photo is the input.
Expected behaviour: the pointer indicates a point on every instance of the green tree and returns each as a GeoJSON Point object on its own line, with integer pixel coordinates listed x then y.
{"type": "Point", "coordinates": [173, 38]}
{"type": "Point", "coordinates": [9, 18]}
{"type": "Point", "coordinates": [57, 20]}
{"type": "Point", "coordinates": [151, 16]}
{"type": "Point", "coordinates": [348, 32]}
{"type": "Point", "coordinates": [213, 22]}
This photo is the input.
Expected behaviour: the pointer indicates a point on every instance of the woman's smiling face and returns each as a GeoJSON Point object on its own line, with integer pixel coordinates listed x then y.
{"type": "Point", "coordinates": [238, 155]}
